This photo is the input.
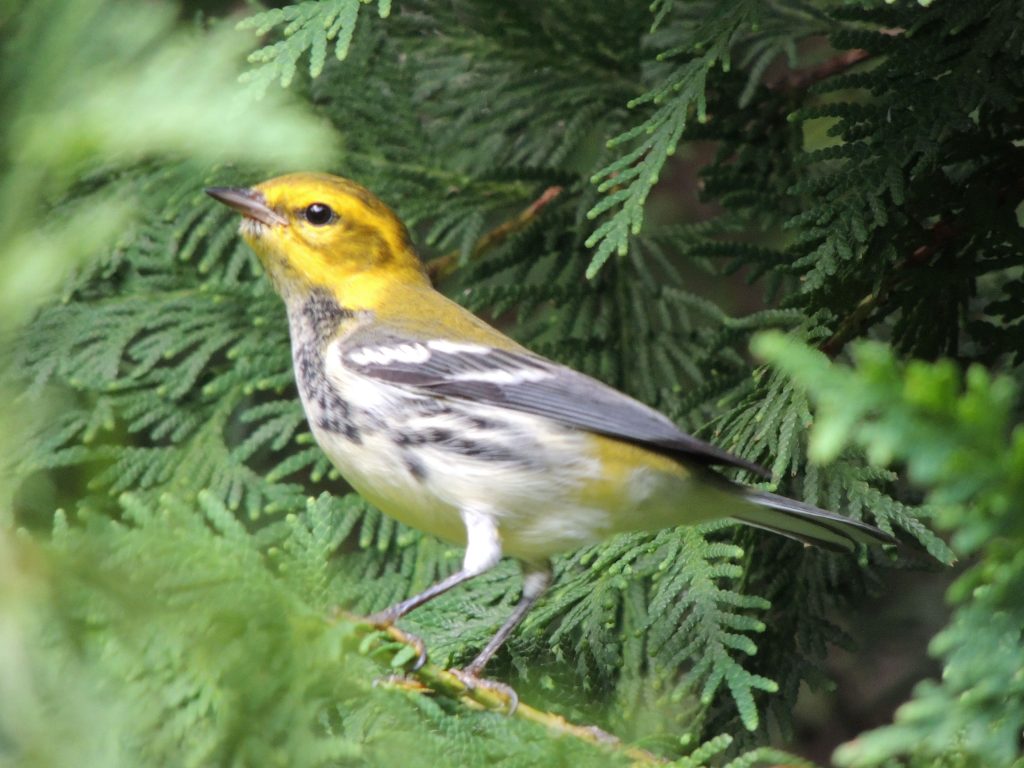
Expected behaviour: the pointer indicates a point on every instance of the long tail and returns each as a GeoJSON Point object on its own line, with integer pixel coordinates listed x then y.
{"type": "Point", "coordinates": [808, 524]}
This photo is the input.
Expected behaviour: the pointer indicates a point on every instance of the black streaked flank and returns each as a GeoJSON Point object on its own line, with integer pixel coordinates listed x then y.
{"type": "Point", "coordinates": [415, 466]}
{"type": "Point", "coordinates": [462, 441]}
{"type": "Point", "coordinates": [321, 316]}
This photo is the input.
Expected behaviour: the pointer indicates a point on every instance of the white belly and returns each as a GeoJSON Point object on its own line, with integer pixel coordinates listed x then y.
{"type": "Point", "coordinates": [421, 468]}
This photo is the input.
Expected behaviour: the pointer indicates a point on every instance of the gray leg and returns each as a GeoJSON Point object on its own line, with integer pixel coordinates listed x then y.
{"type": "Point", "coordinates": [483, 552]}
{"type": "Point", "coordinates": [536, 579]}
{"type": "Point", "coordinates": [392, 614]}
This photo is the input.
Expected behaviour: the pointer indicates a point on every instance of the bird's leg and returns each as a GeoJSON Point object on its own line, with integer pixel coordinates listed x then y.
{"type": "Point", "coordinates": [483, 552]}
{"type": "Point", "coordinates": [388, 617]}
{"type": "Point", "coordinates": [536, 579]}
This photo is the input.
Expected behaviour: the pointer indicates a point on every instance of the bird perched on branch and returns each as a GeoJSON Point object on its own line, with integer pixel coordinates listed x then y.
{"type": "Point", "coordinates": [449, 426]}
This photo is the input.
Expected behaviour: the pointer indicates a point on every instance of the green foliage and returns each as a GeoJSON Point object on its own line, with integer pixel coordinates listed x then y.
{"type": "Point", "coordinates": [224, 654]}
{"type": "Point", "coordinates": [706, 36]}
{"type": "Point", "coordinates": [187, 583]}
{"type": "Point", "coordinates": [308, 27]}
{"type": "Point", "coordinates": [957, 440]}
{"type": "Point", "coordinates": [103, 99]}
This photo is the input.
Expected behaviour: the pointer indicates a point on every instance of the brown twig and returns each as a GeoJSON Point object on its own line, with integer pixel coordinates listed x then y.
{"type": "Point", "coordinates": [801, 79]}
{"type": "Point", "coordinates": [442, 266]}
{"type": "Point", "coordinates": [851, 325]}
{"type": "Point", "coordinates": [942, 233]}
{"type": "Point", "coordinates": [432, 679]}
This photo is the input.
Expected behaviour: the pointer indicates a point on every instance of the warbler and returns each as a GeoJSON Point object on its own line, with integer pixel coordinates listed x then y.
{"type": "Point", "coordinates": [451, 427]}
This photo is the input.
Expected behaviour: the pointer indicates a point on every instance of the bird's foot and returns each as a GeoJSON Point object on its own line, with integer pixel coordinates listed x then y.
{"type": "Point", "coordinates": [385, 622]}
{"type": "Point", "coordinates": [472, 680]}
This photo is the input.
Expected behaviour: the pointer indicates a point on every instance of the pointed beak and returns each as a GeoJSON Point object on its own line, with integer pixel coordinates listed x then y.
{"type": "Point", "coordinates": [249, 203]}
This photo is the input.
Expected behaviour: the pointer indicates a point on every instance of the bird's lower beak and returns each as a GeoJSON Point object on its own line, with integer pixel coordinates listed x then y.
{"type": "Point", "coordinates": [247, 202]}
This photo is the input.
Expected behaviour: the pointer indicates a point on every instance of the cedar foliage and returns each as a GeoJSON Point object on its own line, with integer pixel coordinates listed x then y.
{"type": "Point", "coordinates": [870, 188]}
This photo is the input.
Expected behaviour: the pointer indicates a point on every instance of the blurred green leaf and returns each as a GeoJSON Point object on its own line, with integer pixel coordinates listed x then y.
{"type": "Point", "coordinates": [89, 86]}
{"type": "Point", "coordinates": [957, 437]}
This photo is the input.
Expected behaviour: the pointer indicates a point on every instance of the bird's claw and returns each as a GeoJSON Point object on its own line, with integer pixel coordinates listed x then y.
{"type": "Point", "coordinates": [386, 623]}
{"type": "Point", "coordinates": [472, 681]}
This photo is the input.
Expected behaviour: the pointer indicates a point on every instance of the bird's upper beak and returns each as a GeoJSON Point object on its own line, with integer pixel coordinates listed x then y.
{"type": "Point", "coordinates": [249, 203]}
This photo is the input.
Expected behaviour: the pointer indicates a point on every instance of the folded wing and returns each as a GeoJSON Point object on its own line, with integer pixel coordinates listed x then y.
{"type": "Point", "coordinates": [529, 383]}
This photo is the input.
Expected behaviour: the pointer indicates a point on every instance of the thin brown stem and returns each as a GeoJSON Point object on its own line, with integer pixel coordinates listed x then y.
{"type": "Point", "coordinates": [443, 266]}
{"type": "Point", "coordinates": [941, 235]}
{"type": "Point", "coordinates": [802, 79]}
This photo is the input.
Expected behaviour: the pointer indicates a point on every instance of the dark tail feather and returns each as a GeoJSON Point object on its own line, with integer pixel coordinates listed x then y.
{"type": "Point", "coordinates": [809, 524]}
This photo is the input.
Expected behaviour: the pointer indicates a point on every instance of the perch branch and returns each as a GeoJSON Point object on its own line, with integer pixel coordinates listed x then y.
{"type": "Point", "coordinates": [432, 679]}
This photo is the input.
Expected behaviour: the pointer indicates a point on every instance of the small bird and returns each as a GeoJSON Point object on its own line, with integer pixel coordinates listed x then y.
{"type": "Point", "coordinates": [449, 426]}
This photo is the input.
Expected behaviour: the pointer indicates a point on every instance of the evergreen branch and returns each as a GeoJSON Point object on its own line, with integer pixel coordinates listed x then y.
{"type": "Point", "coordinates": [391, 645]}
{"type": "Point", "coordinates": [309, 26]}
{"type": "Point", "coordinates": [958, 435]}
{"type": "Point", "coordinates": [628, 180]}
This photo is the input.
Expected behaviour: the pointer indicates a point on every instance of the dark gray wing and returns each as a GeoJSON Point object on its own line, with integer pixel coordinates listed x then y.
{"type": "Point", "coordinates": [528, 383]}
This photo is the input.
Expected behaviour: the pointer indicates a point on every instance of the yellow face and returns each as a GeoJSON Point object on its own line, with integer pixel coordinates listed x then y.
{"type": "Point", "coordinates": [313, 229]}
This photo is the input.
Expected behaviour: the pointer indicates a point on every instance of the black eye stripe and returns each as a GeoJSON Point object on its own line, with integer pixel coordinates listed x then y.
{"type": "Point", "coordinates": [319, 214]}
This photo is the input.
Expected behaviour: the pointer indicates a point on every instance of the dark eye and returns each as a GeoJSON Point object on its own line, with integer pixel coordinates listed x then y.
{"type": "Point", "coordinates": [319, 214]}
